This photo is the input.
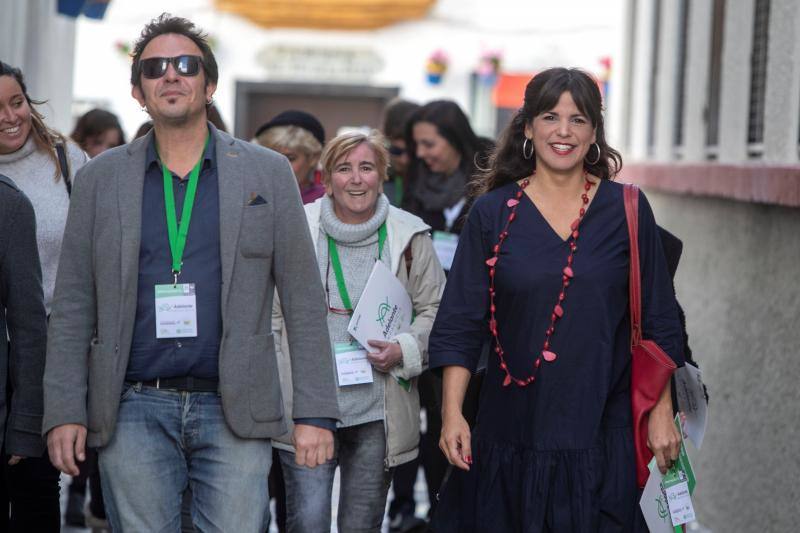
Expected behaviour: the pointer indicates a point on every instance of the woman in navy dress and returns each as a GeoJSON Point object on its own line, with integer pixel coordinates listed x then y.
{"type": "Point", "coordinates": [541, 272]}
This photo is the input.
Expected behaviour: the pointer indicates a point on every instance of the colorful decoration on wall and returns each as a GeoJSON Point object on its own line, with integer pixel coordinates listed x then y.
{"type": "Point", "coordinates": [436, 66]}
{"type": "Point", "coordinates": [94, 9]}
{"type": "Point", "coordinates": [327, 14]}
{"type": "Point", "coordinates": [509, 93]}
{"type": "Point", "coordinates": [605, 76]}
{"type": "Point", "coordinates": [123, 47]}
{"type": "Point", "coordinates": [489, 66]}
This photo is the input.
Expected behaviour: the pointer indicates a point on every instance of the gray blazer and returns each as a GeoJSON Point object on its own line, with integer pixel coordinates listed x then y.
{"type": "Point", "coordinates": [262, 247]}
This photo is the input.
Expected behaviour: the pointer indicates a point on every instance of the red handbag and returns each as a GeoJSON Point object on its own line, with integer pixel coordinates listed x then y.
{"type": "Point", "coordinates": [651, 367]}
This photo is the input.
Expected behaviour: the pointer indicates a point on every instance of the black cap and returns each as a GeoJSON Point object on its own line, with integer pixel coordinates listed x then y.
{"type": "Point", "coordinates": [301, 119]}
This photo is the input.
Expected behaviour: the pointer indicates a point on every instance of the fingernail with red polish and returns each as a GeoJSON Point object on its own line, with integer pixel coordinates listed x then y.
{"type": "Point", "coordinates": [469, 459]}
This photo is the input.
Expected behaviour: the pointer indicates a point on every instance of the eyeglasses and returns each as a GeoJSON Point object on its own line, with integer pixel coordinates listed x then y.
{"type": "Point", "coordinates": [153, 68]}
{"type": "Point", "coordinates": [334, 310]}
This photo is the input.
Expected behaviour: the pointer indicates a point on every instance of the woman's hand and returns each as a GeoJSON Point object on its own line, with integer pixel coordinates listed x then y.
{"type": "Point", "coordinates": [663, 438]}
{"type": "Point", "coordinates": [455, 441]}
{"type": "Point", "coordinates": [15, 459]}
{"type": "Point", "coordinates": [390, 355]}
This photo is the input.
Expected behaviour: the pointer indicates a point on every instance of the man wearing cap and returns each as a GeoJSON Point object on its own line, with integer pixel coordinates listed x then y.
{"type": "Point", "coordinates": [299, 136]}
{"type": "Point", "coordinates": [159, 349]}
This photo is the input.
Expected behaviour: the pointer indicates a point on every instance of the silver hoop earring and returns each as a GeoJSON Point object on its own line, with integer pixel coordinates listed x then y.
{"type": "Point", "coordinates": [590, 163]}
{"type": "Point", "coordinates": [525, 153]}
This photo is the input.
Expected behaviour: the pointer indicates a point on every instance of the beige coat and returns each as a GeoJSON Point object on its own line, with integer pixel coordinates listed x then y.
{"type": "Point", "coordinates": [424, 283]}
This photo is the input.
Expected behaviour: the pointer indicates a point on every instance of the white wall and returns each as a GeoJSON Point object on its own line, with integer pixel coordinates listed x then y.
{"type": "Point", "coordinates": [40, 42]}
{"type": "Point", "coordinates": [532, 35]}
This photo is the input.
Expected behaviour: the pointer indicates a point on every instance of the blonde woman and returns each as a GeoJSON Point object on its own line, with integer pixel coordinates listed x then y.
{"type": "Point", "coordinates": [379, 429]}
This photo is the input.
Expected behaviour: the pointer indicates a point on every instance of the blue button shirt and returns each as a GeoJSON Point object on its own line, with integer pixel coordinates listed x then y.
{"type": "Point", "coordinates": [150, 357]}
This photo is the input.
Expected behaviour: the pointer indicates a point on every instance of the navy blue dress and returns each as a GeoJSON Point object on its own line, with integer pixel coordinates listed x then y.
{"type": "Point", "coordinates": [556, 456]}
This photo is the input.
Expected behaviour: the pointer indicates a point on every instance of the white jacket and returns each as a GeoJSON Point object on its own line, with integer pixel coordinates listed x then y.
{"type": "Point", "coordinates": [425, 284]}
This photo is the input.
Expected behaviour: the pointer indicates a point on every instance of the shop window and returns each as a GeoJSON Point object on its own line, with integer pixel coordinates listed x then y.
{"type": "Point", "coordinates": [758, 72]}
{"type": "Point", "coordinates": [651, 111]}
{"type": "Point", "coordinates": [715, 76]}
{"type": "Point", "coordinates": [680, 79]}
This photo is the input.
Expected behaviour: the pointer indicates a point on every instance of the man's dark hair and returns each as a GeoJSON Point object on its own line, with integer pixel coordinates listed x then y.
{"type": "Point", "coordinates": [164, 25]}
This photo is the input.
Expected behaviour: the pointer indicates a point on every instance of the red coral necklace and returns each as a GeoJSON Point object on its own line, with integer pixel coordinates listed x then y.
{"type": "Point", "coordinates": [558, 311]}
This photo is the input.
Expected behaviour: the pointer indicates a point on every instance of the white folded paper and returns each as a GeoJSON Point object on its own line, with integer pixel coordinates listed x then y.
{"type": "Point", "coordinates": [692, 402]}
{"type": "Point", "coordinates": [383, 311]}
{"type": "Point", "coordinates": [654, 503]}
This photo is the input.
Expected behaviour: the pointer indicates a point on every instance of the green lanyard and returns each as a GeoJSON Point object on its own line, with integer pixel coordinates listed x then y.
{"type": "Point", "coordinates": [337, 265]}
{"type": "Point", "coordinates": [398, 190]}
{"type": "Point", "coordinates": [178, 234]}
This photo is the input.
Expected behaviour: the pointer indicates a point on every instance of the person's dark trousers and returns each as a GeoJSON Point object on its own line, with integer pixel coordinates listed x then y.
{"type": "Point", "coordinates": [433, 460]}
{"type": "Point", "coordinates": [96, 505]}
{"type": "Point", "coordinates": [403, 503]}
{"type": "Point", "coordinates": [77, 497]}
{"type": "Point", "coordinates": [90, 475]}
{"type": "Point", "coordinates": [30, 489]}
{"type": "Point", "coordinates": [277, 489]}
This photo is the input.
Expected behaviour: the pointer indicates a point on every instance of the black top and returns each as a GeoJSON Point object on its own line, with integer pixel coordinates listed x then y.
{"type": "Point", "coordinates": [23, 322]}
{"type": "Point", "coordinates": [191, 356]}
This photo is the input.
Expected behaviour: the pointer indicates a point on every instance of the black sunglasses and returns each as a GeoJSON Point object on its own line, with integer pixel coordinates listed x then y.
{"type": "Point", "coordinates": [153, 68]}
{"type": "Point", "coordinates": [396, 151]}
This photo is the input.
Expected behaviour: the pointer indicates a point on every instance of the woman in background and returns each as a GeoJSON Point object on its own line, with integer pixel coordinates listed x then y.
{"type": "Point", "coordinates": [395, 119]}
{"type": "Point", "coordinates": [299, 136]}
{"type": "Point", "coordinates": [41, 163]}
{"type": "Point", "coordinates": [445, 153]}
{"type": "Point", "coordinates": [97, 131]}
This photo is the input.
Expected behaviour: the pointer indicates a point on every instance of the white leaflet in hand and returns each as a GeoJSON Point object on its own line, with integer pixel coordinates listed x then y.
{"type": "Point", "coordinates": [654, 503]}
{"type": "Point", "coordinates": [692, 402]}
{"type": "Point", "coordinates": [383, 311]}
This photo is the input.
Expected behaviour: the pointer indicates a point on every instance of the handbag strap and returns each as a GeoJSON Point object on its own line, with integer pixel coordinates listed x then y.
{"type": "Point", "coordinates": [63, 165]}
{"type": "Point", "coordinates": [631, 197]}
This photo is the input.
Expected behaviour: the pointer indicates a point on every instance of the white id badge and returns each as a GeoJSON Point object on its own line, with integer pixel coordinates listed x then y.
{"type": "Point", "coordinates": [681, 509]}
{"type": "Point", "coordinates": [176, 311]}
{"type": "Point", "coordinates": [352, 365]}
{"type": "Point", "coordinates": [445, 244]}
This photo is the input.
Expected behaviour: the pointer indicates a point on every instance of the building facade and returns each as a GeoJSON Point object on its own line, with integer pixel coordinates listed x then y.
{"type": "Point", "coordinates": [708, 115]}
{"type": "Point", "coordinates": [36, 39]}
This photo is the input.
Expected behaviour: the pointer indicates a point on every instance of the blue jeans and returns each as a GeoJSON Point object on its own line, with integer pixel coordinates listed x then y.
{"type": "Point", "coordinates": [364, 484]}
{"type": "Point", "coordinates": [165, 440]}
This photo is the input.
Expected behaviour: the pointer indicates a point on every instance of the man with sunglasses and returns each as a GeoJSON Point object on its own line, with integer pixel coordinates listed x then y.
{"type": "Point", "coordinates": [159, 351]}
